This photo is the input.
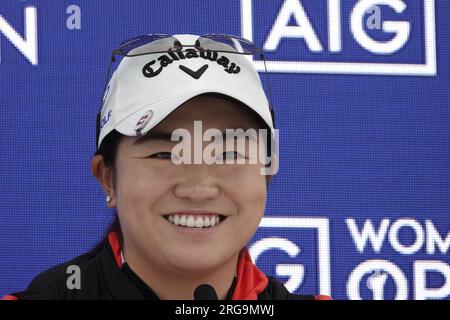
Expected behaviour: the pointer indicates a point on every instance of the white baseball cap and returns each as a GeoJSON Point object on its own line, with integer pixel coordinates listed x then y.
{"type": "Point", "coordinates": [145, 89]}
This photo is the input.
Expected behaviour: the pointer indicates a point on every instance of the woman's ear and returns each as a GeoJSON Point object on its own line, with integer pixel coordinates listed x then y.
{"type": "Point", "coordinates": [104, 175]}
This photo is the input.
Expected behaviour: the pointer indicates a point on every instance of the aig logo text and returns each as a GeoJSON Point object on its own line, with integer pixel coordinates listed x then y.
{"type": "Point", "coordinates": [338, 36]}
{"type": "Point", "coordinates": [316, 272]}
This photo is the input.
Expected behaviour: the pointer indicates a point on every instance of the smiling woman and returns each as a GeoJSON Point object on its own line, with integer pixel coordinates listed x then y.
{"type": "Point", "coordinates": [203, 202]}
{"type": "Point", "coordinates": [178, 226]}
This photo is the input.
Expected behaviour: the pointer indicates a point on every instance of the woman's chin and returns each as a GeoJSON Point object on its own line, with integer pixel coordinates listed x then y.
{"type": "Point", "coordinates": [196, 262]}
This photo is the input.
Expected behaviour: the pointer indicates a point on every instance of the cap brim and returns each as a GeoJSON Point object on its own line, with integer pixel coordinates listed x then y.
{"type": "Point", "coordinates": [164, 107]}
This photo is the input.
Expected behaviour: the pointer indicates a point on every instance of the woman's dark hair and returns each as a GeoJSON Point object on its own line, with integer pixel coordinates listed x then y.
{"type": "Point", "coordinates": [108, 149]}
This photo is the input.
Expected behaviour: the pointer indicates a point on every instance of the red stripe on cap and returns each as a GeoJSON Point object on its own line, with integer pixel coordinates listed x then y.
{"type": "Point", "coordinates": [9, 297]}
{"type": "Point", "coordinates": [250, 280]}
{"type": "Point", "coordinates": [113, 240]}
{"type": "Point", "coordinates": [322, 297]}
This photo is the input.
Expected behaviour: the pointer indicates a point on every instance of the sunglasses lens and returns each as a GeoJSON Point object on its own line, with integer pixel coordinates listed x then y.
{"type": "Point", "coordinates": [227, 43]}
{"type": "Point", "coordinates": [149, 44]}
{"type": "Point", "coordinates": [152, 43]}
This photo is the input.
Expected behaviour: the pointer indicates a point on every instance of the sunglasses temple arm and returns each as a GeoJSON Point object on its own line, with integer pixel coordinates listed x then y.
{"type": "Point", "coordinates": [113, 58]}
{"type": "Point", "coordinates": [261, 56]}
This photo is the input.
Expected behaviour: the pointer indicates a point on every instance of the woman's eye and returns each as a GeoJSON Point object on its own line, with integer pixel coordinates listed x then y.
{"type": "Point", "coordinates": [161, 155]}
{"type": "Point", "coordinates": [230, 155]}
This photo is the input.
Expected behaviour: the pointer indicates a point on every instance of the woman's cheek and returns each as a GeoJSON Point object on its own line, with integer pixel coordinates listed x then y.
{"type": "Point", "coordinates": [251, 199]}
{"type": "Point", "coordinates": [140, 183]}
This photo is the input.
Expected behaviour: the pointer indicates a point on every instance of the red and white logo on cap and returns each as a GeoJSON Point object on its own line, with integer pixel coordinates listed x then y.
{"type": "Point", "coordinates": [144, 120]}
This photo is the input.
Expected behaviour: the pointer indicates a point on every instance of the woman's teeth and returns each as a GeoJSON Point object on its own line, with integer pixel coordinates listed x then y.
{"type": "Point", "coordinates": [194, 221]}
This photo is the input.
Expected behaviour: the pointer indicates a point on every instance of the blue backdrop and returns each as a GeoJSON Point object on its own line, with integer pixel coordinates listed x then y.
{"type": "Point", "coordinates": [360, 206]}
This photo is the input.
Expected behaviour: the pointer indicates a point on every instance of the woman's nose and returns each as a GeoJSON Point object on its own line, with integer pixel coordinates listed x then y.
{"type": "Point", "coordinates": [197, 189]}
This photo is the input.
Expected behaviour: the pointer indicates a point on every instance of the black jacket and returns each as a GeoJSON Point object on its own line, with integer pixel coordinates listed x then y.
{"type": "Point", "coordinates": [103, 277]}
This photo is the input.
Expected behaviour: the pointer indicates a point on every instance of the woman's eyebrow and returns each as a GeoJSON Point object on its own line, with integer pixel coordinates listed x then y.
{"type": "Point", "coordinates": [170, 137]}
{"type": "Point", "coordinates": [154, 135]}
{"type": "Point", "coordinates": [239, 134]}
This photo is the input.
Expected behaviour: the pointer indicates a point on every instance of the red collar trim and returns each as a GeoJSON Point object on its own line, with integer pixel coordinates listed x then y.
{"type": "Point", "coordinates": [250, 280]}
{"type": "Point", "coordinates": [113, 240]}
{"type": "Point", "coordinates": [322, 297]}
